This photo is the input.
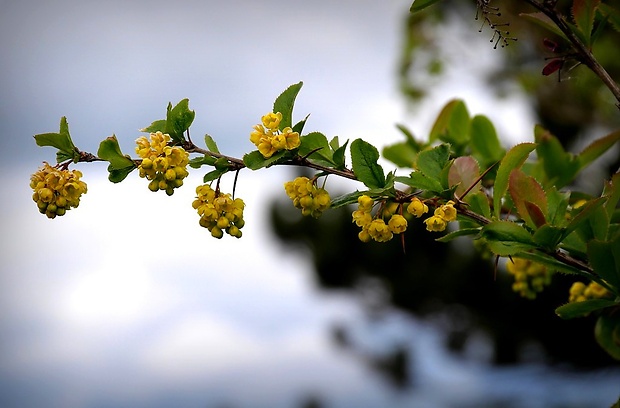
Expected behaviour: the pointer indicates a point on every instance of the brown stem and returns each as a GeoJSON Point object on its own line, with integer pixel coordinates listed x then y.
{"type": "Point", "coordinates": [586, 56]}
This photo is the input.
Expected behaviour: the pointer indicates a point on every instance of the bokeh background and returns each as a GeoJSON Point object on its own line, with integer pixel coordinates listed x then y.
{"type": "Point", "coordinates": [127, 302]}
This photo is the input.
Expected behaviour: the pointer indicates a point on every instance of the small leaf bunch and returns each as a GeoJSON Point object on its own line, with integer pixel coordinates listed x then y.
{"type": "Point", "coordinates": [56, 190]}
{"type": "Point", "coordinates": [164, 165]}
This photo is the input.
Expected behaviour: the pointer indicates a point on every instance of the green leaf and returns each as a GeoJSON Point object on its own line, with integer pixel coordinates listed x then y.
{"type": "Point", "coordinates": [542, 20]}
{"type": "Point", "coordinates": [514, 159]}
{"type": "Point", "coordinates": [548, 237]}
{"type": "Point", "coordinates": [157, 126]}
{"type": "Point", "coordinates": [402, 154]}
{"type": "Point", "coordinates": [211, 145]}
{"type": "Point", "coordinates": [557, 203]}
{"type": "Point", "coordinates": [607, 333]}
{"type": "Point", "coordinates": [452, 125]}
{"type": "Point", "coordinates": [334, 143]}
{"type": "Point", "coordinates": [110, 150]}
{"type": "Point", "coordinates": [612, 192]}
{"type": "Point", "coordinates": [507, 238]}
{"type": "Point", "coordinates": [118, 175]}
{"type": "Point", "coordinates": [583, 15]}
{"type": "Point", "coordinates": [605, 260]}
{"type": "Point", "coordinates": [551, 263]}
{"type": "Point", "coordinates": [222, 163]}
{"type": "Point", "coordinates": [431, 162]}
{"type": "Point", "coordinates": [214, 175]}
{"type": "Point", "coordinates": [200, 161]}
{"type": "Point", "coordinates": [284, 104]}
{"type": "Point", "coordinates": [419, 181]}
{"type": "Point", "coordinates": [463, 173]}
{"type": "Point", "coordinates": [484, 141]}
{"type": "Point", "coordinates": [612, 14]}
{"type": "Point", "coordinates": [596, 225]}
{"type": "Point", "coordinates": [528, 197]}
{"type": "Point", "coordinates": [597, 148]}
{"type": "Point", "coordinates": [339, 155]}
{"type": "Point", "coordinates": [316, 143]}
{"type": "Point", "coordinates": [61, 141]}
{"type": "Point", "coordinates": [178, 120]}
{"type": "Point", "coordinates": [458, 233]}
{"type": "Point", "coordinates": [345, 199]}
{"type": "Point", "coordinates": [560, 167]}
{"type": "Point", "coordinates": [120, 165]}
{"type": "Point", "coordinates": [479, 203]}
{"type": "Point", "coordinates": [578, 309]}
{"type": "Point", "coordinates": [255, 160]}
{"type": "Point", "coordinates": [419, 5]}
{"type": "Point", "coordinates": [588, 210]}
{"type": "Point", "coordinates": [62, 156]}
{"type": "Point", "coordinates": [364, 157]}
{"type": "Point", "coordinates": [575, 245]}
{"type": "Point", "coordinates": [299, 126]}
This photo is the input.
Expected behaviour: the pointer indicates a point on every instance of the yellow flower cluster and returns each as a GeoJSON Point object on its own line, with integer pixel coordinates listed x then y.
{"type": "Point", "coordinates": [530, 277]}
{"type": "Point", "coordinates": [218, 212]}
{"type": "Point", "coordinates": [306, 196]}
{"type": "Point", "coordinates": [579, 292]}
{"type": "Point", "coordinates": [441, 217]}
{"type": "Point", "coordinates": [56, 190]}
{"type": "Point", "coordinates": [165, 166]}
{"type": "Point", "coordinates": [375, 228]}
{"type": "Point", "coordinates": [269, 139]}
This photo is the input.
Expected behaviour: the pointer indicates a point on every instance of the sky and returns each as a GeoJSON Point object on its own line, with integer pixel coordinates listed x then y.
{"type": "Point", "coordinates": [126, 301]}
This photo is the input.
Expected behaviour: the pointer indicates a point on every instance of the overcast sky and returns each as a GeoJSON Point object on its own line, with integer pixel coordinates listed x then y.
{"type": "Point", "coordinates": [126, 301]}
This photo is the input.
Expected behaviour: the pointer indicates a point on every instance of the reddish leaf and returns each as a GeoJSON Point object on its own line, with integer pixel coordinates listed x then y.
{"type": "Point", "coordinates": [583, 14]}
{"type": "Point", "coordinates": [552, 66]}
{"type": "Point", "coordinates": [463, 173]}
{"type": "Point", "coordinates": [550, 45]}
{"type": "Point", "coordinates": [535, 213]}
{"type": "Point", "coordinates": [528, 197]}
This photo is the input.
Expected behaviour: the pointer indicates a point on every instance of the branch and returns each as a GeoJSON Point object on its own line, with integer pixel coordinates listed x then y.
{"type": "Point", "coordinates": [586, 56]}
{"type": "Point", "coordinates": [238, 164]}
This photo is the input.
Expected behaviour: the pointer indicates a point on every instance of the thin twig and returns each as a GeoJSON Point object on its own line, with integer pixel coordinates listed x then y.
{"type": "Point", "coordinates": [586, 56]}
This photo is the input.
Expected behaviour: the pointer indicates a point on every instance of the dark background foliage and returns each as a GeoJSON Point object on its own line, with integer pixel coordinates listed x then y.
{"type": "Point", "coordinates": [454, 285]}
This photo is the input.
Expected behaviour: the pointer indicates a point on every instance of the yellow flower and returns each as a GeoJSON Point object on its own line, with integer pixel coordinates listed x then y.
{"type": "Point", "coordinates": [163, 165]}
{"type": "Point", "coordinates": [56, 190]}
{"type": "Point", "coordinates": [596, 291]}
{"type": "Point", "coordinates": [269, 140]}
{"type": "Point", "coordinates": [365, 203]}
{"type": "Point", "coordinates": [362, 218]}
{"type": "Point", "coordinates": [435, 223]}
{"type": "Point", "coordinates": [530, 277]}
{"type": "Point", "coordinates": [272, 120]}
{"type": "Point", "coordinates": [364, 236]}
{"type": "Point", "coordinates": [218, 212]}
{"type": "Point", "coordinates": [278, 142]}
{"type": "Point", "coordinates": [143, 147]}
{"type": "Point", "coordinates": [266, 148]}
{"type": "Point", "coordinates": [416, 207]}
{"type": "Point", "coordinates": [446, 211]}
{"type": "Point", "coordinates": [291, 139]}
{"type": "Point", "coordinates": [397, 224]}
{"type": "Point", "coordinates": [307, 197]}
{"type": "Point", "coordinates": [257, 134]}
{"type": "Point", "coordinates": [379, 231]}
